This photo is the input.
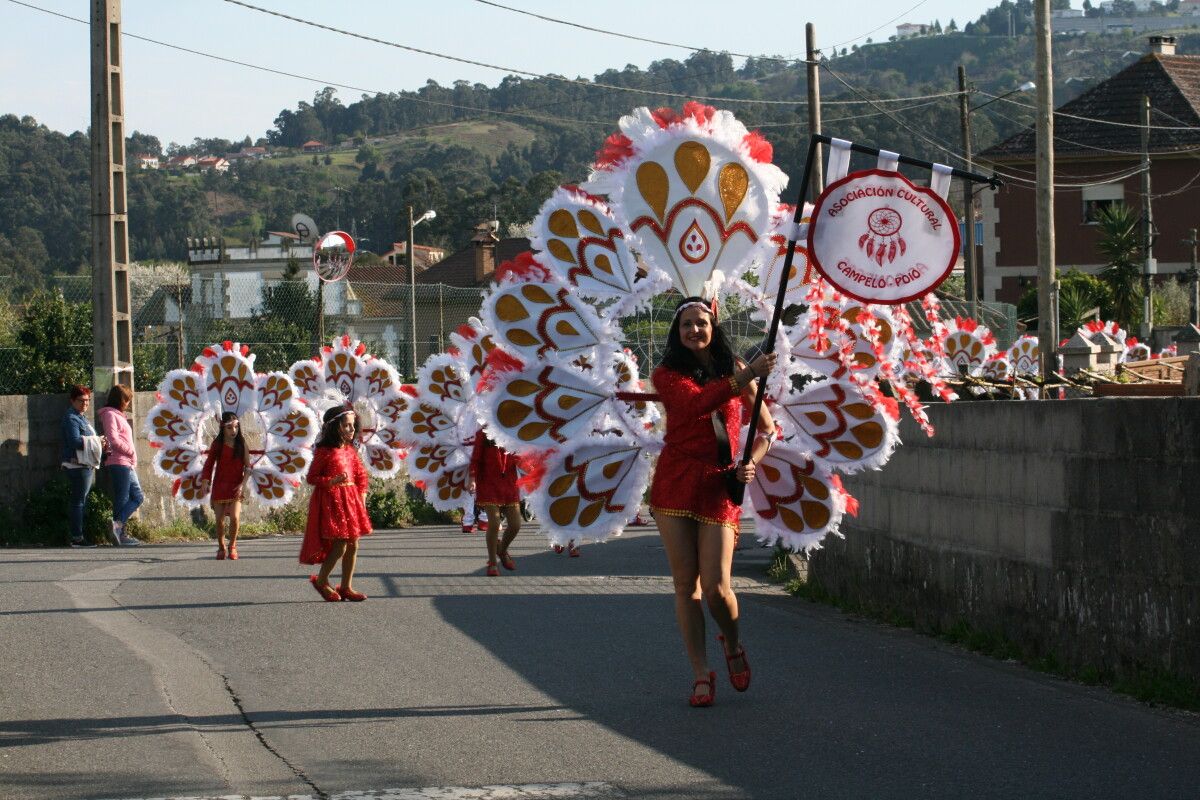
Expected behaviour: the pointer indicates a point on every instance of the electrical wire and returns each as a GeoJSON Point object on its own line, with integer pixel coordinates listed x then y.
{"type": "Point", "coordinates": [1097, 121]}
{"type": "Point", "coordinates": [508, 70]}
{"type": "Point", "coordinates": [336, 85]}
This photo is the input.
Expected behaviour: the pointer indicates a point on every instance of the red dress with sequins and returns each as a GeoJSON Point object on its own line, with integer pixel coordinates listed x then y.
{"type": "Point", "coordinates": [228, 469]}
{"type": "Point", "coordinates": [687, 481]}
{"type": "Point", "coordinates": [334, 512]}
{"type": "Point", "coordinates": [495, 473]}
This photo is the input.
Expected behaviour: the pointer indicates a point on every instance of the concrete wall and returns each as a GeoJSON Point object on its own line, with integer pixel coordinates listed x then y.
{"type": "Point", "coordinates": [30, 443]}
{"type": "Point", "coordinates": [1070, 527]}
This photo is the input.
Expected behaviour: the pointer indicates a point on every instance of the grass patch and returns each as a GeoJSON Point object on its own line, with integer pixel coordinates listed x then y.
{"type": "Point", "coordinates": [1148, 684]}
{"type": "Point", "coordinates": [179, 530]}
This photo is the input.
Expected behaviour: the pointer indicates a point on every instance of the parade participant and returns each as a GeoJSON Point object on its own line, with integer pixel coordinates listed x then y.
{"type": "Point", "coordinates": [121, 461]}
{"type": "Point", "coordinates": [704, 390]}
{"type": "Point", "coordinates": [225, 470]}
{"type": "Point", "coordinates": [81, 453]}
{"type": "Point", "coordinates": [337, 511]}
{"type": "Point", "coordinates": [494, 484]}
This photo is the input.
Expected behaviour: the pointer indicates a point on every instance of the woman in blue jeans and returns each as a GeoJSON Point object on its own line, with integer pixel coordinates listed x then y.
{"type": "Point", "coordinates": [121, 462]}
{"type": "Point", "coordinates": [80, 457]}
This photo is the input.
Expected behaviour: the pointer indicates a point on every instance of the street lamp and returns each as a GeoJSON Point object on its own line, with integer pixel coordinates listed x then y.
{"type": "Point", "coordinates": [970, 269]}
{"type": "Point", "coordinates": [412, 283]}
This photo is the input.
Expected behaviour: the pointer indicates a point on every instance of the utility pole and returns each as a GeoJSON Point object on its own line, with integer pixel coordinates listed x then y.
{"type": "Point", "coordinates": [1047, 278]}
{"type": "Point", "coordinates": [112, 336]}
{"type": "Point", "coordinates": [412, 295]}
{"type": "Point", "coordinates": [814, 106]}
{"type": "Point", "coordinates": [970, 276]}
{"type": "Point", "coordinates": [1193, 281]}
{"type": "Point", "coordinates": [1147, 229]}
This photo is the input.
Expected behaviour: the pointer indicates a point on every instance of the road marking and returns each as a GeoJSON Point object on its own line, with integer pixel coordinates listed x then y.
{"type": "Point", "coordinates": [528, 791]}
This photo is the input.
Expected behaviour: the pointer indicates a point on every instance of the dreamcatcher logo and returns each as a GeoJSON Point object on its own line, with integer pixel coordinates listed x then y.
{"type": "Point", "coordinates": [878, 238]}
{"type": "Point", "coordinates": [882, 239]}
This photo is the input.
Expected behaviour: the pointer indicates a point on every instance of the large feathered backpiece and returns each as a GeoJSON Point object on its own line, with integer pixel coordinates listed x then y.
{"type": "Point", "coordinates": [345, 372]}
{"type": "Point", "coordinates": [686, 202]}
{"type": "Point", "coordinates": [191, 402]}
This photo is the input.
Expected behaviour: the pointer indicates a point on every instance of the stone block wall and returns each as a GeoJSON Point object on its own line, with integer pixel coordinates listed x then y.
{"type": "Point", "coordinates": [30, 442]}
{"type": "Point", "coordinates": [1071, 527]}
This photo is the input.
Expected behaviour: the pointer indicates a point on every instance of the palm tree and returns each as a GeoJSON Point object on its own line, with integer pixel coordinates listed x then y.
{"type": "Point", "coordinates": [1120, 244]}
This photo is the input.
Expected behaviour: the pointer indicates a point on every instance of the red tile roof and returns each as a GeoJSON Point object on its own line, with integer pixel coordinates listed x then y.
{"type": "Point", "coordinates": [458, 268]}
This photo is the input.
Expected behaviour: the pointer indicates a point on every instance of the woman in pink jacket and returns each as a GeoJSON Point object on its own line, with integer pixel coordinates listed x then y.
{"type": "Point", "coordinates": [121, 461]}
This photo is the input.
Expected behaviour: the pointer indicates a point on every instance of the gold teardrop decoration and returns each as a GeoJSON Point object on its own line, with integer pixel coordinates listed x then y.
{"type": "Point", "coordinates": [591, 222]}
{"type": "Point", "coordinates": [510, 413]}
{"type": "Point", "coordinates": [652, 183]}
{"type": "Point", "coordinates": [848, 450]}
{"type": "Point", "coordinates": [537, 294]}
{"type": "Point", "coordinates": [560, 485]}
{"type": "Point", "coordinates": [523, 388]}
{"type": "Point", "coordinates": [532, 431]}
{"type": "Point", "coordinates": [567, 401]}
{"type": "Point", "coordinates": [602, 263]}
{"type": "Point", "coordinates": [815, 514]}
{"type": "Point", "coordinates": [869, 433]}
{"type": "Point", "coordinates": [611, 470]}
{"type": "Point", "coordinates": [563, 224]}
{"type": "Point", "coordinates": [559, 250]}
{"type": "Point", "coordinates": [565, 328]}
{"type": "Point", "coordinates": [692, 162]}
{"type": "Point", "coordinates": [522, 338]}
{"type": "Point", "coordinates": [563, 511]}
{"type": "Point", "coordinates": [510, 309]}
{"type": "Point", "coordinates": [590, 514]}
{"type": "Point", "coordinates": [732, 185]}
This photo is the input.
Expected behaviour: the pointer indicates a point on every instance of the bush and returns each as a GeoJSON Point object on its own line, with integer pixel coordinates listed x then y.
{"type": "Point", "coordinates": [387, 509]}
{"type": "Point", "coordinates": [45, 517]}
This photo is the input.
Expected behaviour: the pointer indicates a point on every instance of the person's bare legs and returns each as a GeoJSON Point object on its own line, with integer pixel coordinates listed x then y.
{"type": "Point", "coordinates": [336, 548]}
{"type": "Point", "coordinates": [233, 512]}
{"type": "Point", "coordinates": [349, 559]}
{"type": "Point", "coordinates": [512, 515]}
{"type": "Point", "coordinates": [492, 537]}
{"type": "Point", "coordinates": [716, 564]}
{"type": "Point", "coordinates": [219, 514]}
{"type": "Point", "coordinates": [679, 538]}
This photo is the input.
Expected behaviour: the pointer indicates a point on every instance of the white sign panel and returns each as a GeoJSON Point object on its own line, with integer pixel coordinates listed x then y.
{"type": "Point", "coordinates": [878, 238]}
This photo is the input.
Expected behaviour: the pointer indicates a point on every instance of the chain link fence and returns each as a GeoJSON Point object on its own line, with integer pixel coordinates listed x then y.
{"type": "Point", "coordinates": [286, 321]}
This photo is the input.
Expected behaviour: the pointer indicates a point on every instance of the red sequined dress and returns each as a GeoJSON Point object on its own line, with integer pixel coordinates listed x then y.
{"type": "Point", "coordinates": [494, 471]}
{"type": "Point", "coordinates": [229, 470]}
{"type": "Point", "coordinates": [687, 481]}
{"type": "Point", "coordinates": [334, 512]}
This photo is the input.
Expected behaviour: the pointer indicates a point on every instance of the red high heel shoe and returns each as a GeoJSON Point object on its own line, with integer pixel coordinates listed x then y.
{"type": "Point", "coordinates": [507, 561]}
{"type": "Point", "coordinates": [704, 700]}
{"type": "Point", "coordinates": [558, 548]}
{"type": "Point", "coordinates": [233, 552]}
{"type": "Point", "coordinates": [572, 550]}
{"type": "Point", "coordinates": [492, 572]}
{"type": "Point", "coordinates": [325, 590]}
{"type": "Point", "coordinates": [739, 680]}
{"type": "Point", "coordinates": [351, 595]}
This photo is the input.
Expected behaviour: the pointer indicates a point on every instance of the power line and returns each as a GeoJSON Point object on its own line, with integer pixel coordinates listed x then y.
{"type": "Point", "coordinates": [509, 70]}
{"type": "Point", "coordinates": [638, 38]}
{"type": "Point", "coordinates": [286, 74]}
{"type": "Point", "coordinates": [881, 27]}
{"type": "Point", "coordinates": [1099, 121]}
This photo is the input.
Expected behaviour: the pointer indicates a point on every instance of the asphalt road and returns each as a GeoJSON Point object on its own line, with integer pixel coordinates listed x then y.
{"type": "Point", "coordinates": [161, 672]}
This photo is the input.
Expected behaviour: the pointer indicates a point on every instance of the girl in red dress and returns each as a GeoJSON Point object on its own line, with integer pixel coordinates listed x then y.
{"type": "Point", "coordinates": [337, 511]}
{"type": "Point", "coordinates": [227, 459]}
{"type": "Point", "coordinates": [702, 386]}
{"type": "Point", "coordinates": [494, 484]}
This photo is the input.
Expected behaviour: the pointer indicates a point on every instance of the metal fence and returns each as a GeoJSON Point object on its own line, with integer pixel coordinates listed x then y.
{"type": "Point", "coordinates": [285, 321]}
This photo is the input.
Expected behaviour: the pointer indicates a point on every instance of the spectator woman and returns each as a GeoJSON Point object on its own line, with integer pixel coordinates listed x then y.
{"type": "Point", "coordinates": [81, 452]}
{"type": "Point", "coordinates": [121, 462]}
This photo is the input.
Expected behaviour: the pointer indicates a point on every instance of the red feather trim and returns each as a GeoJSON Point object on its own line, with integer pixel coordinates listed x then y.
{"type": "Point", "coordinates": [523, 267]}
{"type": "Point", "coordinates": [848, 499]}
{"type": "Point", "coordinates": [208, 352]}
{"type": "Point", "coordinates": [496, 363]}
{"type": "Point", "coordinates": [575, 190]}
{"type": "Point", "coordinates": [228, 345]}
{"type": "Point", "coordinates": [533, 471]}
{"type": "Point", "coordinates": [408, 389]}
{"type": "Point", "coordinates": [760, 149]}
{"type": "Point", "coordinates": [419, 484]}
{"type": "Point", "coordinates": [467, 331]}
{"type": "Point", "coordinates": [617, 147]}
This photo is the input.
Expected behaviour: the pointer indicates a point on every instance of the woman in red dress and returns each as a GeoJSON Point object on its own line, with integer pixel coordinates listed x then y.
{"type": "Point", "coordinates": [494, 484]}
{"type": "Point", "coordinates": [702, 386]}
{"type": "Point", "coordinates": [227, 459]}
{"type": "Point", "coordinates": [337, 511]}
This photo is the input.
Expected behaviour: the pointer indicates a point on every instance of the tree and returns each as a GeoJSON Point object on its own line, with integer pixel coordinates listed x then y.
{"type": "Point", "coordinates": [1120, 246]}
{"type": "Point", "coordinates": [54, 345]}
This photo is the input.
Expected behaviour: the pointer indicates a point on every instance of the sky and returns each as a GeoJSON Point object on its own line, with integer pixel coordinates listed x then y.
{"type": "Point", "coordinates": [178, 96]}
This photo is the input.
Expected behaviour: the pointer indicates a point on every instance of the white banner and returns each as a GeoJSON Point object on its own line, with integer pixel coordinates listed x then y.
{"type": "Point", "coordinates": [878, 238]}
